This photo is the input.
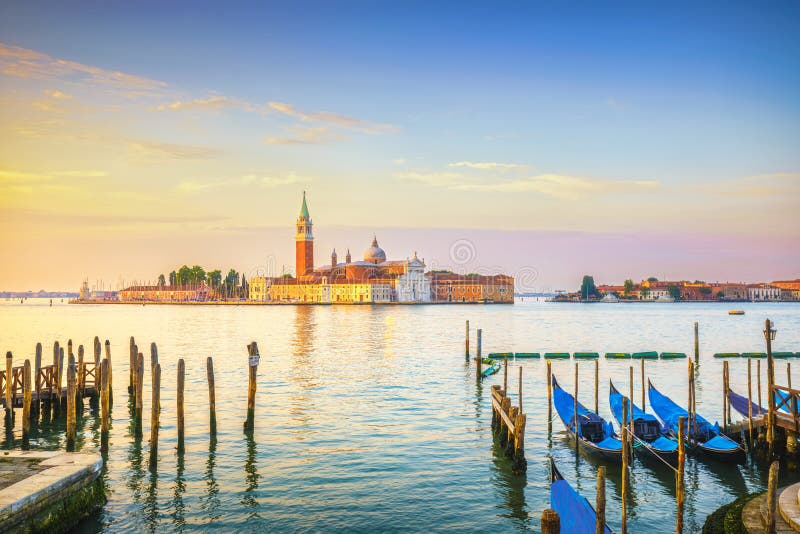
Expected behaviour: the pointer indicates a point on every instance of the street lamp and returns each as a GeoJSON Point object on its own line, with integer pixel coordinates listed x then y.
{"type": "Point", "coordinates": [769, 334]}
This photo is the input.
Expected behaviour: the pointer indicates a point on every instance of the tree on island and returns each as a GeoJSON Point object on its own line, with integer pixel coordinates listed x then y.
{"type": "Point", "coordinates": [172, 278]}
{"type": "Point", "coordinates": [674, 291]}
{"type": "Point", "coordinates": [183, 276]}
{"type": "Point", "coordinates": [214, 278]}
{"type": "Point", "coordinates": [588, 289]}
{"type": "Point", "coordinates": [652, 279]}
{"type": "Point", "coordinates": [627, 287]}
{"type": "Point", "coordinates": [161, 280]}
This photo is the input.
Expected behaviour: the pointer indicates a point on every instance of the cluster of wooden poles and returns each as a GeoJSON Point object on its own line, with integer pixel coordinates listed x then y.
{"type": "Point", "coordinates": [94, 380]}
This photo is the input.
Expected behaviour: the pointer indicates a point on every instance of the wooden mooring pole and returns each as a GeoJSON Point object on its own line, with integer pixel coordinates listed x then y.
{"type": "Point", "coordinates": [155, 410]}
{"type": "Point", "coordinates": [110, 372]}
{"type": "Point", "coordinates": [132, 363]}
{"type": "Point", "coordinates": [139, 383]}
{"type": "Point", "coordinates": [724, 396]}
{"type": "Point", "coordinates": [212, 398]}
{"type": "Point", "coordinates": [26, 401]}
{"type": "Point", "coordinates": [576, 426]}
{"type": "Point", "coordinates": [624, 490]}
{"type": "Point", "coordinates": [596, 385]}
{"type": "Point", "coordinates": [71, 423]}
{"type": "Point", "coordinates": [478, 357]}
{"type": "Point", "coordinates": [9, 386]}
{"type": "Point", "coordinates": [679, 476]}
{"type": "Point", "coordinates": [696, 342]}
{"type": "Point", "coordinates": [253, 360]}
{"type": "Point", "coordinates": [37, 365]}
{"type": "Point", "coordinates": [549, 394]}
{"type": "Point", "coordinates": [772, 498]}
{"type": "Point", "coordinates": [600, 502]}
{"type": "Point", "coordinates": [551, 523]}
{"type": "Point", "coordinates": [519, 395]}
{"type": "Point", "coordinates": [643, 388]}
{"type": "Point", "coordinates": [750, 400]}
{"type": "Point", "coordinates": [105, 395]}
{"type": "Point", "coordinates": [181, 376]}
{"type": "Point", "coordinates": [466, 340]}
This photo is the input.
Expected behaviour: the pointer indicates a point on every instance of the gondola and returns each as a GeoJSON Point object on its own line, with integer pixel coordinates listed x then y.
{"type": "Point", "coordinates": [645, 427]}
{"type": "Point", "coordinates": [574, 511]}
{"type": "Point", "coordinates": [739, 403]}
{"type": "Point", "coordinates": [595, 434]}
{"type": "Point", "coordinates": [710, 441]}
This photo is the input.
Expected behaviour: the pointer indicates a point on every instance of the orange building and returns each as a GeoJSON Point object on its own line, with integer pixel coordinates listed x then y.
{"type": "Point", "coordinates": [452, 287]}
{"type": "Point", "coordinates": [184, 293]}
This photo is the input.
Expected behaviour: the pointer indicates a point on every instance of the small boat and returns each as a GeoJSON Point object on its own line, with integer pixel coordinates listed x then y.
{"type": "Point", "coordinates": [595, 434]}
{"type": "Point", "coordinates": [575, 513]}
{"type": "Point", "coordinates": [739, 403]}
{"type": "Point", "coordinates": [735, 312]}
{"type": "Point", "coordinates": [645, 427]}
{"type": "Point", "coordinates": [493, 366]}
{"type": "Point", "coordinates": [709, 439]}
{"type": "Point", "coordinates": [609, 297]}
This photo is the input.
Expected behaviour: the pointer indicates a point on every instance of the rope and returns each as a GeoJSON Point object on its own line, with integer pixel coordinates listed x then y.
{"type": "Point", "coordinates": [645, 444]}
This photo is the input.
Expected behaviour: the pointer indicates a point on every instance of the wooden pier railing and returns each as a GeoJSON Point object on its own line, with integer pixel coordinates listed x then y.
{"type": "Point", "coordinates": [508, 422]}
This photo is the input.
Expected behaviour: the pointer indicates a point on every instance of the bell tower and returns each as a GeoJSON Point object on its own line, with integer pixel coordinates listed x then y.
{"type": "Point", "coordinates": [304, 242]}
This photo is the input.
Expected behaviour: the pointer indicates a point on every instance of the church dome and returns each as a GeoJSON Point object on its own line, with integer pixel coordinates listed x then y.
{"type": "Point", "coordinates": [374, 254]}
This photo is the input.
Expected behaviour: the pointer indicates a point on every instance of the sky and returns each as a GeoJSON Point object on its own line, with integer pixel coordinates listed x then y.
{"type": "Point", "coordinates": [618, 139]}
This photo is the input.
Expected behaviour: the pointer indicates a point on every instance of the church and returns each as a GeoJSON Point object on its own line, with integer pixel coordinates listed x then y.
{"type": "Point", "coordinates": [373, 279]}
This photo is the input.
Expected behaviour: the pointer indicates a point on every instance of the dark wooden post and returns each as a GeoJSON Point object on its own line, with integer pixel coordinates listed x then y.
{"type": "Point", "coordinates": [37, 366]}
{"type": "Point", "coordinates": [212, 397]}
{"type": "Point", "coordinates": [772, 498]}
{"type": "Point", "coordinates": [60, 375]}
{"type": "Point", "coordinates": [9, 383]}
{"type": "Point", "coordinates": [480, 335]}
{"type": "Point", "coordinates": [131, 363]}
{"type": "Point", "coordinates": [478, 358]}
{"type": "Point", "coordinates": [624, 436]}
{"type": "Point", "coordinates": [551, 524]}
{"type": "Point", "coordinates": [466, 341]}
{"type": "Point", "coordinates": [110, 373]}
{"type": "Point", "coordinates": [600, 503]}
{"type": "Point", "coordinates": [679, 483]}
{"type": "Point", "coordinates": [724, 396]}
{"type": "Point", "coordinates": [139, 390]}
{"type": "Point", "coordinates": [26, 400]}
{"type": "Point", "coordinates": [71, 423]}
{"type": "Point", "coordinates": [630, 399]}
{"type": "Point", "coordinates": [696, 343]}
{"type": "Point", "coordinates": [253, 360]}
{"type": "Point", "coordinates": [105, 418]}
{"type": "Point", "coordinates": [181, 375]}
{"type": "Point", "coordinates": [155, 404]}
{"type": "Point", "coordinates": [643, 388]}
{"type": "Point", "coordinates": [750, 399]}
{"type": "Point", "coordinates": [596, 386]}
{"type": "Point", "coordinates": [519, 396]}
{"type": "Point", "coordinates": [505, 373]}
{"type": "Point", "coordinates": [81, 373]}
{"type": "Point", "coordinates": [520, 464]}
{"type": "Point", "coordinates": [576, 426]}
{"type": "Point", "coordinates": [770, 390]}
{"type": "Point", "coordinates": [549, 394]}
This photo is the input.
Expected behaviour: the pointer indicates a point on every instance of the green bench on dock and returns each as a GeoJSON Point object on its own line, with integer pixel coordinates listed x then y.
{"type": "Point", "coordinates": [556, 355]}
{"type": "Point", "coordinates": [672, 355]}
{"type": "Point", "coordinates": [618, 355]}
{"type": "Point", "coordinates": [586, 355]}
{"type": "Point", "coordinates": [648, 355]}
{"type": "Point", "coordinates": [519, 355]}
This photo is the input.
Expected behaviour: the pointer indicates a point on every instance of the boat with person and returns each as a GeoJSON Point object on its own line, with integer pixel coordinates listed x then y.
{"type": "Point", "coordinates": [710, 440]}
{"type": "Point", "coordinates": [646, 428]}
{"type": "Point", "coordinates": [575, 513]}
{"type": "Point", "coordinates": [594, 434]}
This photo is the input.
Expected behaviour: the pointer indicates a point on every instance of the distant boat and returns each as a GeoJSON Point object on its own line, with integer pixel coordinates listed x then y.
{"type": "Point", "coordinates": [665, 298]}
{"type": "Point", "coordinates": [575, 513]}
{"type": "Point", "coordinates": [609, 297]}
{"type": "Point", "coordinates": [735, 312]}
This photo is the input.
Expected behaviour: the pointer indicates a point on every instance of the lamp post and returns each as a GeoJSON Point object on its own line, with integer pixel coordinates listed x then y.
{"type": "Point", "coordinates": [769, 335]}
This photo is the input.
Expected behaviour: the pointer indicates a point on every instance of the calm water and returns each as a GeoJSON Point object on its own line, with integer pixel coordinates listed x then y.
{"type": "Point", "coordinates": [368, 418]}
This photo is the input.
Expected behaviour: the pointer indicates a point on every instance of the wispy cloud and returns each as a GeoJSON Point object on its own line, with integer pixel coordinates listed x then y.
{"type": "Point", "coordinates": [432, 179]}
{"type": "Point", "coordinates": [562, 186]}
{"type": "Point", "coordinates": [25, 63]}
{"type": "Point", "coordinates": [210, 103]}
{"type": "Point", "coordinates": [8, 176]}
{"type": "Point", "coordinates": [263, 181]}
{"type": "Point", "coordinates": [58, 95]}
{"type": "Point", "coordinates": [487, 165]}
{"type": "Point", "coordinates": [300, 135]}
{"type": "Point", "coordinates": [157, 150]}
{"type": "Point", "coordinates": [785, 185]}
{"type": "Point", "coordinates": [335, 119]}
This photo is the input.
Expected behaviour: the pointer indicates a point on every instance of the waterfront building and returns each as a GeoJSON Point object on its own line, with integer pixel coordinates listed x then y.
{"type": "Point", "coordinates": [790, 289]}
{"type": "Point", "coordinates": [763, 292]}
{"type": "Point", "coordinates": [373, 279]}
{"type": "Point", "coordinates": [177, 293]}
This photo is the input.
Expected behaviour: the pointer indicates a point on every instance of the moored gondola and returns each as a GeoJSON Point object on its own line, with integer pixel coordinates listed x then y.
{"type": "Point", "coordinates": [739, 403]}
{"type": "Point", "coordinates": [646, 429]}
{"type": "Point", "coordinates": [710, 441]}
{"type": "Point", "coordinates": [594, 434]}
{"type": "Point", "coordinates": [575, 513]}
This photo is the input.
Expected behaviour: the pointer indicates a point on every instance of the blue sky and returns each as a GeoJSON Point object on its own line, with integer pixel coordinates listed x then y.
{"type": "Point", "coordinates": [591, 117]}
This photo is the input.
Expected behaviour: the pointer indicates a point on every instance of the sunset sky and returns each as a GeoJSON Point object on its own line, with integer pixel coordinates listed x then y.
{"type": "Point", "coordinates": [621, 140]}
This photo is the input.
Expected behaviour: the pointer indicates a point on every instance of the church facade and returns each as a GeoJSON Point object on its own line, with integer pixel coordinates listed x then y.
{"type": "Point", "coordinates": [373, 279]}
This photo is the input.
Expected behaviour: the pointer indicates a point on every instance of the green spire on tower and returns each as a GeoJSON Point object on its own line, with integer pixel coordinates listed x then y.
{"type": "Point", "coordinates": [304, 209]}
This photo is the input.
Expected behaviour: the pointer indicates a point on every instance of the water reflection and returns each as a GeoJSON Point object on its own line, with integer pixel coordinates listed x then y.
{"type": "Point", "coordinates": [178, 506]}
{"type": "Point", "coordinates": [249, 498]}
{"type": "Point", "coordinates": [210, 502]}
{"type": "Point", "coordinates": [511, 487]}
{"type": "Point", "coordinates": [150, 507]}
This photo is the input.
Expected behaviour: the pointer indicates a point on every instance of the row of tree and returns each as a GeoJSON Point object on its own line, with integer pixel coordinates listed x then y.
{"type": "Point", "coordinates": [233, 285]}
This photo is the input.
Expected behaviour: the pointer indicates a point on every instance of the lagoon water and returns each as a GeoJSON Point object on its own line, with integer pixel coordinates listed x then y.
{"type": "Point", "coordinates": [368, 418]}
